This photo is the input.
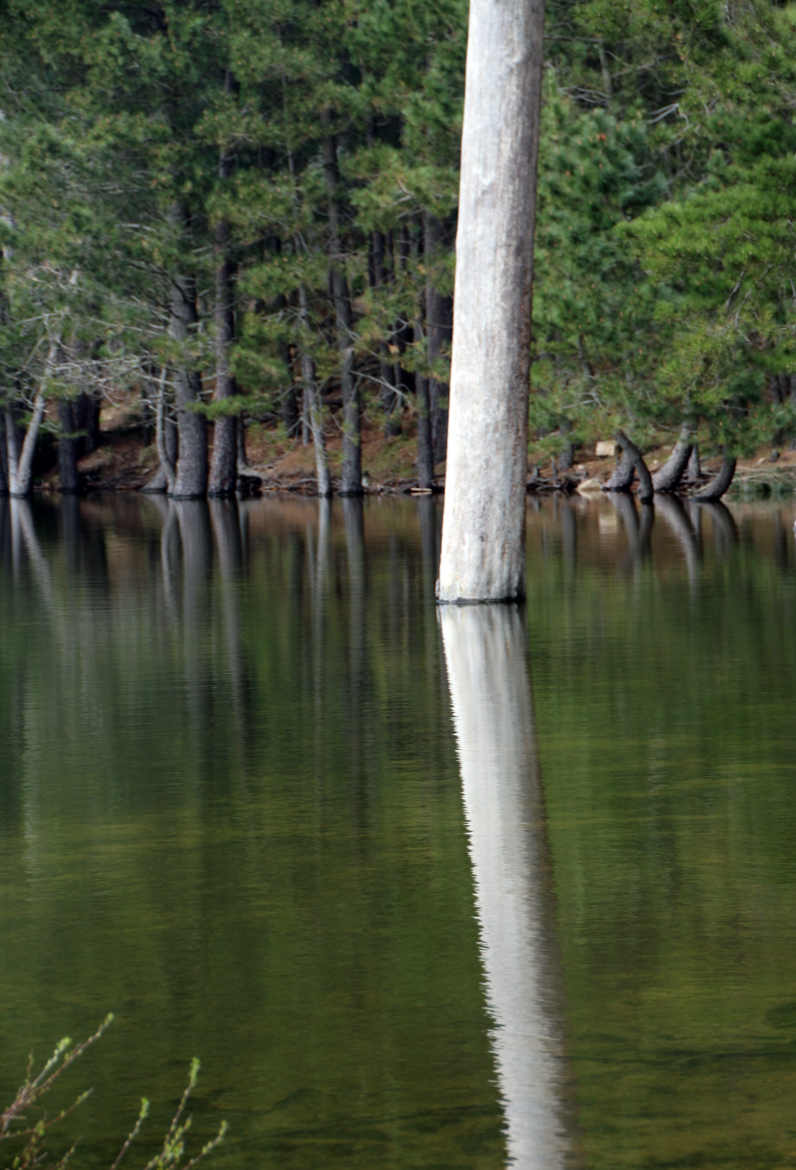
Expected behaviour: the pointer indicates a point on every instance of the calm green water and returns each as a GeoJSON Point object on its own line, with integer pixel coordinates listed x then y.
{"type": "Point", "coordinates": [472, 889]}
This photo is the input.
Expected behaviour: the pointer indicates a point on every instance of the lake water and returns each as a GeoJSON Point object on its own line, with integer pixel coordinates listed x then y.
{"type": "Point", "coordinates": [474, 888]}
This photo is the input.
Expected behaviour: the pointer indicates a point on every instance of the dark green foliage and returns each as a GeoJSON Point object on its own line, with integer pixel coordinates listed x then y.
{"type": "Point", "coordinates": [595, 171]}
{"type": "Point", "coordinates": [664, 236]}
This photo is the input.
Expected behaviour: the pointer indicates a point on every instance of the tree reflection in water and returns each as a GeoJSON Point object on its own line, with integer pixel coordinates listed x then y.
{"type": "Point", "coordinates": [485, 649]}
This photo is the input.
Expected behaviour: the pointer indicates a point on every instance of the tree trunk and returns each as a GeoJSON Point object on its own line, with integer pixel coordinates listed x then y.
{"type": "Point", "coordinates": [4, 444]}
{"type": "Point", "coordinates": [67, 448]}
{"type": "Point", "coordinates": [3, 457]}
{"type": "Point", "coordinates": [622, 477]}
{"type": "Point", "coordinates": [405, 380]}
{"type": "Point", "coordinates": [313, 405]}
{"type": "Point", "coordinates": [667, 478]}
{"type": "Point", "coordinates": [190, 480]}
{"type": "Point", "coordinates": [566, 456]}
{"type": "Point", "coordinates": [387, 395]}
{"type": "Point", "coordinates": [439, 319]}
{"type": "Point", "coordinates": [425, 446]}
{"type": "Point", "coordinates": [20, 463]}
{"type": "Point", "coordinates": [631, 461]}
{"type": "Point", "coordinates": [240, 439]}
{"type": "Point", "coordinates": [783, 390]}
{"type": "Point", "coordinates": [165, 441]}
{"type": "Point", "coordinates": [483, 534]}
{"type": "Point", "coordinates": [224, 466]}
{"type": "Point", "coordinates": [694, 470]}
{"type": "Point", "coordinates": [86, 416]}
{"type": "Point", "coordinates": [289, 407]}
{"type": "Point", "coordinates": [352, 436]}
{"type": "Point", "coordinates": [645, 489]}
{"type": "Point", "coordinates": [716, 487]}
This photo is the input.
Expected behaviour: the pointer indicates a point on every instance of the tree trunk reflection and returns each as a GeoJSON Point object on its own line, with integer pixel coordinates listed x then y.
{"type": "Point", "coordinates": [504, 808]}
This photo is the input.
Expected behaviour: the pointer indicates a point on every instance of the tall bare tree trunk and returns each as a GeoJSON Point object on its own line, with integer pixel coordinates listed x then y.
{"type": "Point", "coordinates": [190, 480]}
{"type": "Point", "coordinates": [224, 466]}
{"type": "Point", "coordinates": [425, 443]}
{"type": "Point", "coordinates": [165, 441]}
{"type": "Point", "coordinates": [439, 323]}
{"type": "Point", "coordinates": [68, 479]}
{"type": "Point", "coordinates": [312, 404]}
{"type": "Point", "coordinates": [483, 533]}
{"type": "Point", "coordinates": [3, 457]}
{"type": "Point", "coordinates": [20, 462]}
{"type": "Point", "coordinates": [351, 484]}
{"type": "Point", "coordinates": [387, 395]}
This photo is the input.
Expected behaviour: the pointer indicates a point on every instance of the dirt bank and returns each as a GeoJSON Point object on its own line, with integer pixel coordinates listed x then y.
{"type": "Point", "coordinates": [126, 460]}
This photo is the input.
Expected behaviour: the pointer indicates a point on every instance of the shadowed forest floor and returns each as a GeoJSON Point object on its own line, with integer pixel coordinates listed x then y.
{"type": "Point", "coordinates": [126, 459]}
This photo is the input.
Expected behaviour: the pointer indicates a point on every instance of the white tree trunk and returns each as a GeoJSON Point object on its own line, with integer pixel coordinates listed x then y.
{"type": "Point", "coordinates": [20, 463]}
{"type": "Point", "coordinates": [313, 405]}
{"type": "Point", "coordinates": [483, 545]}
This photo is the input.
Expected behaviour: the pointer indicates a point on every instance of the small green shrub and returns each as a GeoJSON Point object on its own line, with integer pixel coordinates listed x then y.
{"type": "Point", "coordinates": [27, 1127]}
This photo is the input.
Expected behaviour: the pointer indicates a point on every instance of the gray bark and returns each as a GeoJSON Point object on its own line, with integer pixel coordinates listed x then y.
{"type": "Point", "coordinates": [632, 461]}
{"type": "Point", "coordinates": [67, 448]}
{"type": "Point", "coordinates": [351, 484]}
{"type": "Point", "coordinates": [694, 469]}
{"type": "Point", "coordinates": [567, 454]}
{"type": "Point", "coordinates": [622, 477]}
{"type": "Point", "coordinates": [87, 418]}
{"type": "Point", "coordinates": [425, 445]}
{"type": "Point", "coordinates": [190, 480]}
{"type": "Point", "coordinates": [483, 534]}
{"type": "Point", "coordinates": [717, 486]}
{"type": "Point", "coordinates": [312, 403]}
{"type": "Point", "coordinates": [403, 334]}
{"type": "Point", "coordinates": [667, 478]}
{"type": "Point", "coordinates": [223, 469]}
{"type": "Point", "coordinates": [439, 322]}
{"type": "Point", "coordinates": [165, 441]}
{"type": "Point", "coordinates": [3, 441]}
{"type": "Point", "coordinates": [388, 396]}
{"type": "Point", "coordinates": [240, 439]}
{"type": "Point", "coordinates": [224, 465]}
{"type": "Point", "coordinates": [289, 406]}
{"type": "Point", "coordinates": [3, 457]}
{"type": "Point", "coordinates": [20, 462]}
